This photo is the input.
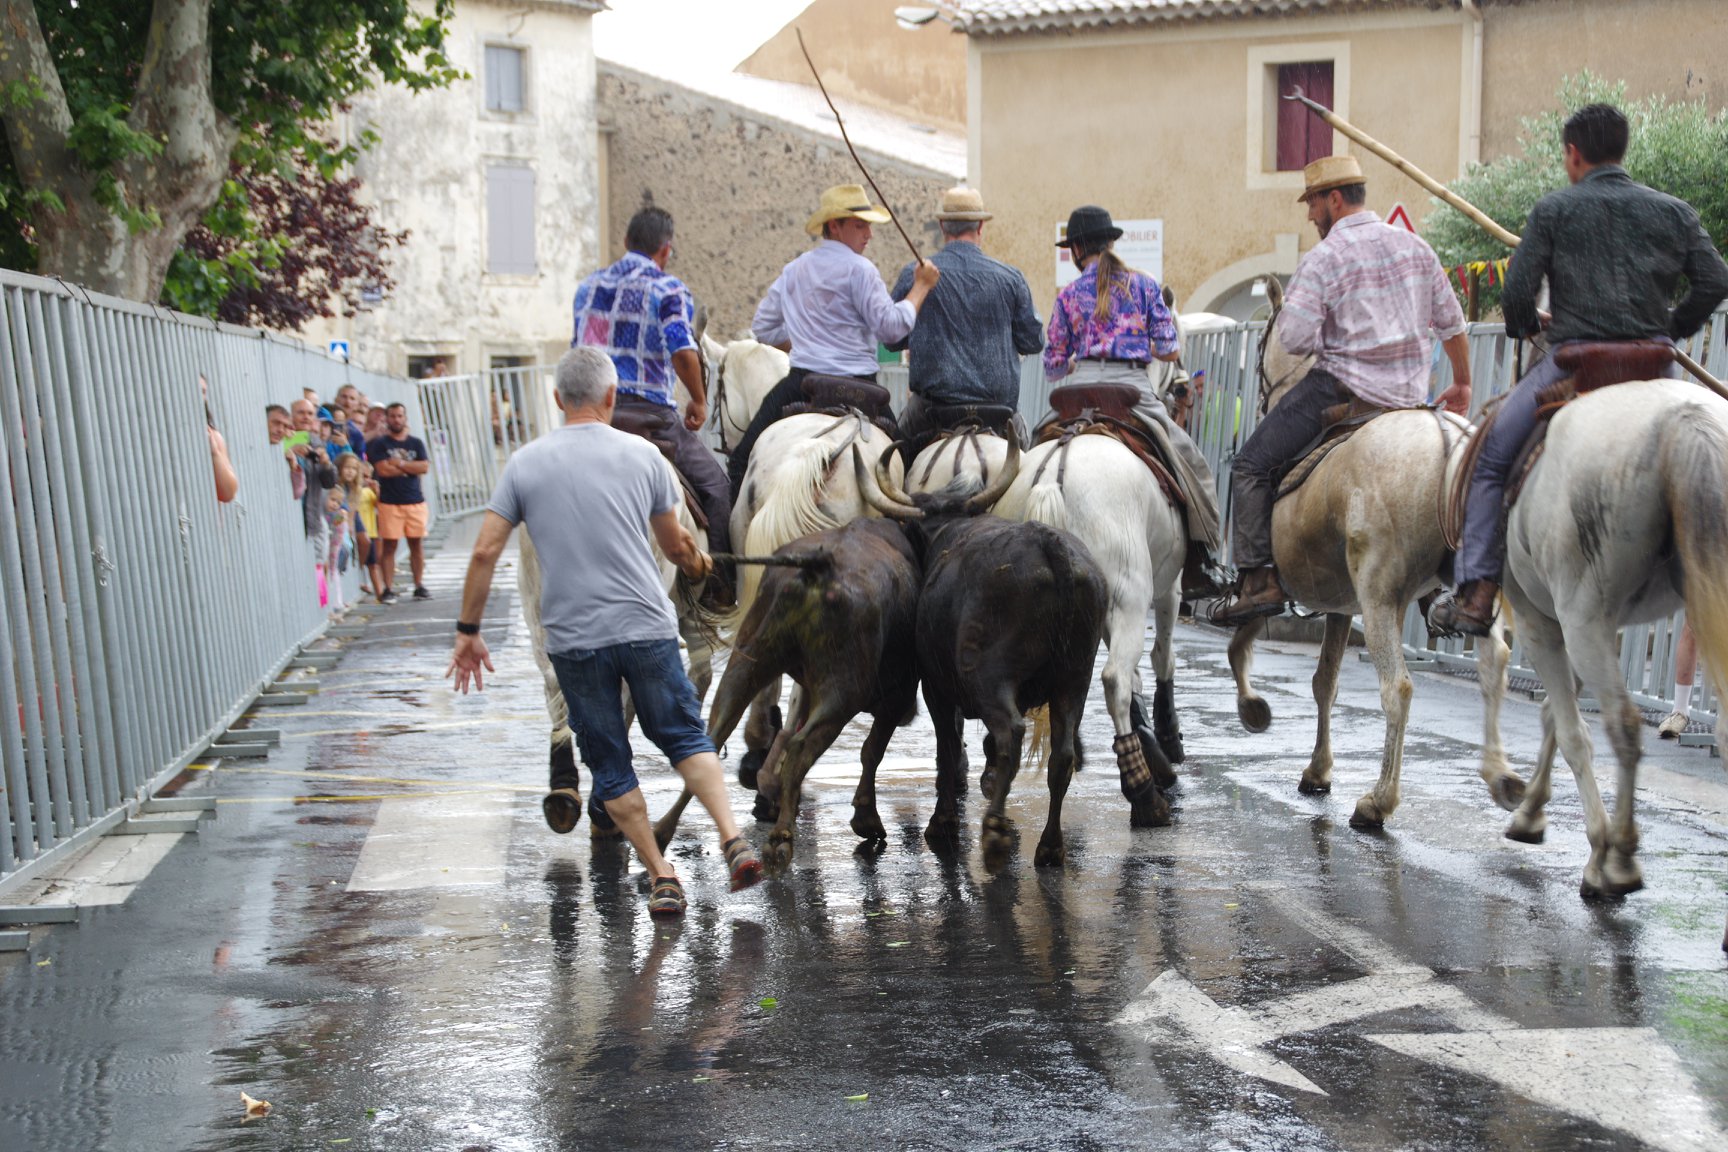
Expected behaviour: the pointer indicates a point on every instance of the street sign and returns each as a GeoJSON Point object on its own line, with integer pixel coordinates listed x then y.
{"type": "Point", "coordinates": [1399, 217]}
{"type": "Point", "coordinates": [339, 349]}
{"type": "Point", "coordinates": [1141, 247]}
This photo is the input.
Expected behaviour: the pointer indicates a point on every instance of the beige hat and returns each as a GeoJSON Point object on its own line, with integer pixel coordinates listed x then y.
{"type": "Point", "coordinates": [1330, 172]}
{"type": "Point", "coordinates": [841, 202]}
{"type": "Point", "coordinates": [963, 203]}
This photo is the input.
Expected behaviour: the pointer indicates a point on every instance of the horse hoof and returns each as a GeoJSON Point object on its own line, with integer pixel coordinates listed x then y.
{"type": "Point", "coordinates": [943, 836]}
{"type": "Point", "coordinates": [1367, 817]}
{"type": "Point", "coordinates": [868, 825]}
{"type": "Point", "coordinates": [1173, 750]}
{"type": "Point", "coordinates": [1314, 787]}
{"type": "Point", "coordinates": [1599, 893]}
{"type": "Point", "coordinates": [1254, 712]}
{"type": "Point", "coordinates": [777, 853]}
{"type": "Point", "coordinates": [1149, 815]}
{"type": "Point", "coordinates": [765, 810]}
{"type": "Point", "coordinates": [601, 835]}
{"type": "Point", "coordinates": [997, 844]}
{"type": "Point", "coordinates": [749, 765]}
{"type": "Point", "coordinates": [1508, 792]}
{"type": "Point", "coordinates": [1051, 853]}
{"type": "Point", "coordinates": [1527, 835]}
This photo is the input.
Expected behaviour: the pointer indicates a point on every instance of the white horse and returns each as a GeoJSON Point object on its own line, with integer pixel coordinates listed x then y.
{"type": "Point", "coordinates": [740, 374]}
{"type": "Point", "coordinates": [1623, 519]}
{"type": "Point", "coordinates": [1362, 535]}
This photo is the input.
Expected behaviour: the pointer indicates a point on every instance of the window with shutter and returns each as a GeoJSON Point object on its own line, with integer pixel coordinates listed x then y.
{"type": "Point", "coordinates": [1302, 136]}
{"type": "Point", "coordinates": [510, 220]}
{"type": "Point", "coordinates": [504, 74]}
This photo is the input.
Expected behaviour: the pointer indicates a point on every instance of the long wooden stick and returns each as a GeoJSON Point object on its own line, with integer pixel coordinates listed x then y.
{"type": "Point", "coordinates": [1510, 239]}
{"type": "Point", "coordinates": [823, 88]}
{"type": "Point", "coordinates": [1482, 218]}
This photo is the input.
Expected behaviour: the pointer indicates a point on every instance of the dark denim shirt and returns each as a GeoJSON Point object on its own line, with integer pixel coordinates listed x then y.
{"type": "Point", "coordinates": [1613, 252]}
{"type": "Point", "coordinates": [972, 330]}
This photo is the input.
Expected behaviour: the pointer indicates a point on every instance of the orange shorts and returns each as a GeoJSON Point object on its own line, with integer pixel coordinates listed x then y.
{"type": "Point", "coordinates": [401, 521]}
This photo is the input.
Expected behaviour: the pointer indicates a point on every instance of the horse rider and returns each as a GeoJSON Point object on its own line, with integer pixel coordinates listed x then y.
{"type": "Point", "coordinates": [1362, 303]}
{"type": "Point", "coordinates": [1107, 326]}
{"type": "Point", "coordinates": [1613, 252]}
{"type": "Point", "coordinates": [973, 329]}
{"type": "Point", "coordinates": [829, 308]}
{"type": "Point", "coordinates": [641, 315]}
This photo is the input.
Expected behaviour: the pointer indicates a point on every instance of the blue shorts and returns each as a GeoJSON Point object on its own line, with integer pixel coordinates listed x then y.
{"type": "Point", "coordinates": [665, 707]}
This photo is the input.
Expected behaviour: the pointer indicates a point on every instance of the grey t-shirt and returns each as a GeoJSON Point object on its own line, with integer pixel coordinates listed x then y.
{"type": "Point", "coordinates": [586, 492]}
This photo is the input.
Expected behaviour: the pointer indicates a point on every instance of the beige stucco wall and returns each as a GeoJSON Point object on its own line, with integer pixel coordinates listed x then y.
{"type": "Point", "coordinates": [740, 186]}
{"type": "Point", "coordinates": [865, 56]}
{"type": "Point", "coordinates": [428, 175]}
{"type": "Point", "coordinates": [1672, 48]}
{"type": "Point", "coordinates": [1154, 123]}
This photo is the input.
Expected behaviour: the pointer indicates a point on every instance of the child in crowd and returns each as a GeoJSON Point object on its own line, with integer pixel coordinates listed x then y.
{"type": "Point", "coordinates": [340, 517]}
{"type": "Point", "coordinates": [362, 503]}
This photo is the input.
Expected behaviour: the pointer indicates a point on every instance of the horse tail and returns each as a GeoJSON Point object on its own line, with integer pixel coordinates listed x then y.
{"type": "Point", "coordinates": [1695, 474]}
{"type": "Point", "coordinates": [1045, 504]}
{"type": "Point", "coordinates": [793, 508]}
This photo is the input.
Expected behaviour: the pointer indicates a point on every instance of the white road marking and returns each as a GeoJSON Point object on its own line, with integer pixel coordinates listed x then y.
{"type": "Point", "coordinates": [435, 842]}
{"type": "Point", "coordinates": [1626, 1079]}
{"type": "Point", "coordinates": [104, 873]}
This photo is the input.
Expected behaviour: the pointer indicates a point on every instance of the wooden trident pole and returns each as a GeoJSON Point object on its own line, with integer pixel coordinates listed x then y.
{"type": "Point", "coordinates": [1487, 223]}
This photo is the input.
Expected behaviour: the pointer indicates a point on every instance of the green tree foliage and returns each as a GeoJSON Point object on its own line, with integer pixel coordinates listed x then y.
{"type": "Point", "coordinates": [1676, 147]}
{"type": "Point", "coordinates": [128, 121]}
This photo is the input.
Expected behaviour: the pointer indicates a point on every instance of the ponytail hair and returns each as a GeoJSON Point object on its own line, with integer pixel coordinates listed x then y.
{"type": "Point", "coordinates": [1110, 271]}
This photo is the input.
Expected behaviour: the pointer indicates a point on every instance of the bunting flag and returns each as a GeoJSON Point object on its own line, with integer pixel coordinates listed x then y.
{"type": "Point", "coordinates": [1489, 272]}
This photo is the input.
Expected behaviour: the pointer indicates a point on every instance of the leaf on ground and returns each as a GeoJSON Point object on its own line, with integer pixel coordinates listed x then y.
{"type": "Point", "coordinates": [701, 1079]}
{"type": "Point", "coordinates": [860, 1096]}
{"type": "Point", "coordinates": [254, 1107]}
{"type": "Point", "coordinates": [44, 963]}
{"type": "Point", "coordinates": [768, 1002]}
{"type": "Point", "coordinates": [898, 943]}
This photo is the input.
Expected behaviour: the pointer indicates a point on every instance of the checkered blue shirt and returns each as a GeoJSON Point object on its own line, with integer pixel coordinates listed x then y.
{"type": "Point", "coordinates": [641, 315]}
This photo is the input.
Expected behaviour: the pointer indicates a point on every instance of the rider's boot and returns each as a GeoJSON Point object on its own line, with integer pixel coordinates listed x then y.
{"type": "Point", "coordinates": [1258, 593]}
{"type": "Point", "coordinates": [1201, 574]}
{"type": "Point", "coordinates": [1469, 610]}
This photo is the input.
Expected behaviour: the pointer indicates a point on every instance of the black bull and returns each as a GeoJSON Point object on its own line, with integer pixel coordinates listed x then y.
{"type": "Point", "coordinates": [996, 618]}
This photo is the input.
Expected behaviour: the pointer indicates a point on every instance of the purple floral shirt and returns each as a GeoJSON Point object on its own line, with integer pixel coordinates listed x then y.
{"type": "Point", "coordinates": [1139, 327]}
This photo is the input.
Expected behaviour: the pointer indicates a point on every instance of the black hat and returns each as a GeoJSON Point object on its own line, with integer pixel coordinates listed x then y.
{"type": "Point", "coordinates": [1089, 222]}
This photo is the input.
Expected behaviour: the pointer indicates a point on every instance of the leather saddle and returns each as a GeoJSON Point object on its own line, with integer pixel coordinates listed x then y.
{"type": "Point", "coordinates": [1106, 410]}
{"type": "Point", "coordinates": [1337, 424]}
{"type": "Point", "coordinates": [659, 427]}
{"type": "Point", "coordinates": [837, 395]}
{"type": "Point", "coordinates": [997, 418]}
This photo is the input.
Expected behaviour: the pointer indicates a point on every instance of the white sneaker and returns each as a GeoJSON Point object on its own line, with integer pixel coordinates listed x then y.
{"type": "Point", "coordinates": [1672, 725]}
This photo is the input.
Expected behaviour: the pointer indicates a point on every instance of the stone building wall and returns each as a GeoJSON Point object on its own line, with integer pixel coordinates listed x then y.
{"type": "Point", "coordinates": [740, 184]}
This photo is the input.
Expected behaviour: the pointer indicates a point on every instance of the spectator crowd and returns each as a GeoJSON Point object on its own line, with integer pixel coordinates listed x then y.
{"type": "Point", "coordinates": [356, 472]}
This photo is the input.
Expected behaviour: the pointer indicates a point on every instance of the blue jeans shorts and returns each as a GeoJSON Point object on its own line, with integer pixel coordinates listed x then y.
{"type": "Point", "coordinates": [665, 707]}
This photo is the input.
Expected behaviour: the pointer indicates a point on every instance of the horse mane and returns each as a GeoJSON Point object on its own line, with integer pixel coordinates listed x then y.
{"type": "Point", "coordinates": [792, 508]}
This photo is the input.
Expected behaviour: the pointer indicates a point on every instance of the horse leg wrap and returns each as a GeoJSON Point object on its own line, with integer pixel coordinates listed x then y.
{"type": "Point", "coordinates": [1131, 761]}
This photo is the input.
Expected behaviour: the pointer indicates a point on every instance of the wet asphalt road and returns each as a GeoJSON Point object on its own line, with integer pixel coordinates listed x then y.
{"type": "Point", "coordinates": [377, 934]}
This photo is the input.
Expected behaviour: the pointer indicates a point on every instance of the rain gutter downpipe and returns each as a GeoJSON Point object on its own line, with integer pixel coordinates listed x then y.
{"type": "Point", "coordinates": [1470, 126]}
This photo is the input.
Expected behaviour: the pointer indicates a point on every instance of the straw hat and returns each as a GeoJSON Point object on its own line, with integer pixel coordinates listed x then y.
{"type": "Point", "coordinates": [963, 203]}
{"type": "Point", "coordinates": [1088, 222]}
{"type": "Point", "coordinates": [841, 202]}
{"type": "Point", "coordinates": [1330, 172]}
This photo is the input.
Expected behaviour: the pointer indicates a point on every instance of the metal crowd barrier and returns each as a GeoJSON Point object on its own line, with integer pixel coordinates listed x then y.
{"type": "Point", "coordinates": [139, 618]}
{"type": "Point", "coordinates": [475, 421]}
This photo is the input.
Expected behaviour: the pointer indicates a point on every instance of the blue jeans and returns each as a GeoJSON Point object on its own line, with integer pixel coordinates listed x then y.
{"type": "Point", "coordinates": [1482, 551]}
{"type": "Point", "coordinates": [665, 707]}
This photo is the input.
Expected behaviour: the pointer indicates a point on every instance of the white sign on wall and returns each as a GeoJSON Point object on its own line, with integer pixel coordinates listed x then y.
{"type": "Point", "coordinates": [1141, 247]}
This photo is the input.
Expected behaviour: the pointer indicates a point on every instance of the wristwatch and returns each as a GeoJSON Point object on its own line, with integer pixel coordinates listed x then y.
{"type": "Point", "coordinates": [467, 629]}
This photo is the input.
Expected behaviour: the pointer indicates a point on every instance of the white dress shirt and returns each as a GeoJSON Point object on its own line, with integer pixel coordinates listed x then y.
{"type": "Point", "coordinates": [831, 304]}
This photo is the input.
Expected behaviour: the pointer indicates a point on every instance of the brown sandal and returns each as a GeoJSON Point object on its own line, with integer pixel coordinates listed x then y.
{"type": "Point", "coordinates": [666, 898]}
{"type": "Point", "coordinates": [742, 862]}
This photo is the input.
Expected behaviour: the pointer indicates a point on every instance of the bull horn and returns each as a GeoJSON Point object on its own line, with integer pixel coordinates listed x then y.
{"type": "Point", "coordinates": [998, 488]}
{"type": "Point", "coordinates": [885, 478]}
{"type": "Point", "coordinates": [876, 498]}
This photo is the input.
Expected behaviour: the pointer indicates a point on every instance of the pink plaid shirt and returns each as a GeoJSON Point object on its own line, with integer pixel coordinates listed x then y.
{"type": "Point", "coordinates": [1364, 301]}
